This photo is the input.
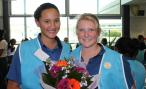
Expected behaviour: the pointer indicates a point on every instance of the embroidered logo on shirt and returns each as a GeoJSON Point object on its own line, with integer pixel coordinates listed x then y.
{"type": "Point", "coordinates": [107, 65]}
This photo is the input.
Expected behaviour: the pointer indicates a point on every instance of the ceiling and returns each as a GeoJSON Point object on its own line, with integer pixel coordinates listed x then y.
{"type": "Point", "coordinates": [140, 2]}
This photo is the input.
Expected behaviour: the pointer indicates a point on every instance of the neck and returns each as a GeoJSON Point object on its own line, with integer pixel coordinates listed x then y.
{"type": "Point", "coordinates": [50, 43]}
{"type": "Point", "coordinates": [88, 53]}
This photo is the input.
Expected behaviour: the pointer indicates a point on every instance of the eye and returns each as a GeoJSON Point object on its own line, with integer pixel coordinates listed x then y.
{"type": "Point", "coordinates": [47, 21]}
{"type": "Point", "coordinates": [57, 20]}
{"type": "Point", "coordinates": [81, 30]}
{"type": "Point", "coordinates": [91, 29]}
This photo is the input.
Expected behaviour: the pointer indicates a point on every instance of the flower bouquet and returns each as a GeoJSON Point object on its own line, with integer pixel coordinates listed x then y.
{"type": "Point", "coordinates": [65, 74]}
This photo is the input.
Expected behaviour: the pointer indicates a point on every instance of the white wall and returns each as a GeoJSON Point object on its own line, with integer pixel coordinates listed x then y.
{"type": "Point", "coordinates": [138, 24]}
{"type": "Point", "coordinates": [1, 12]}
{"type": "Point", "coordinates": [1, 23]}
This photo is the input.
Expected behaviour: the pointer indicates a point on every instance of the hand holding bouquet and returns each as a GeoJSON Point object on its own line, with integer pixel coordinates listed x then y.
{"type": "Point", "coordinates": [65, 74]}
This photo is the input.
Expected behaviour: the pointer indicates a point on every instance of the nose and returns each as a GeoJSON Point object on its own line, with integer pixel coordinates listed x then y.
{"type": "Point", "coordinates": [52, 24]}
{"type": "Point", "coordinates": [86, 33]}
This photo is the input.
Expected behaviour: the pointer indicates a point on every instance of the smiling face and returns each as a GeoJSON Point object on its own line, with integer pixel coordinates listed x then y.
{"type": "Point", "coordinates": [49, 23]}
{"type": "Point", "coordinates": [87, 32]}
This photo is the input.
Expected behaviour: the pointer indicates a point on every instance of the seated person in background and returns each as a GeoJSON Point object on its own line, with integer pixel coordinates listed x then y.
{"type": "Point", "coordinates": [106, 66]}
{"type": "Point", "coordinates": [11, 50]}
{"type": "Point", "coordinates": [129, 48]}
{"type": "Point", "coordinates": [25, 39]}
{"type": "Point", "coordinates": [104, 41]}
{"type": "Point", "coordinates": [142, 47]}
{"type": "Point", "coordinates": [141, 40]}
{"type": "Point", "coordinates": [67, 41]}
{"type": "Point", "coordinates": [77, 45]}
{"type": "Point", "coordinates": [3, 60]}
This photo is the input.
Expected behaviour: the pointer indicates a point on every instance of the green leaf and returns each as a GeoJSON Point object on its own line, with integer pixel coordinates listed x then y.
{"type": "Point", "coordinates": [49, 80]}
{"type": "Point", "coordinates": [75, 75]}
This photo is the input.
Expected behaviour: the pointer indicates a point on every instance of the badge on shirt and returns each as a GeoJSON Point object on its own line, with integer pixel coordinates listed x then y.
{"type": "Point", "coordinates": [41, 55]}
{"type": "Point", "coordinates": [107, 65]}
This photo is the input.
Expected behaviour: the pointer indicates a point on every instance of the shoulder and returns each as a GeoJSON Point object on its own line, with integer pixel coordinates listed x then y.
{"type": "Point", "coordinates": [76, 52]}
{"type": "Point", "coordinates": [3, 42]}
{"type": "Point", "coordinates": [78, 49]}
{"type": "Point", "coordinates": [139, 64]}
{"type": "Point", "coordinates": [65, 45]}
{"type": "Point", "coordinates": [111, 52]}
{"type": "Point", "coordinates": [29, 42]}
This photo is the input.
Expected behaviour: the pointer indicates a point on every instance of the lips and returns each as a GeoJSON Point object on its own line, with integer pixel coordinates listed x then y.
{"type": "Point", "coordinates": [51, 31]}
{"type": "Point", "coordinates": [87, 39]}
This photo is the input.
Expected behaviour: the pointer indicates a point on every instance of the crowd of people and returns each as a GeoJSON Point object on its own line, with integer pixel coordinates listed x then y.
{"type": "Point", "coordinates": [129, 47]}
{"type": "Point", "coordinates": [116, 69]}
{"type": "Point", "coordinates": [3, 60]}
{"type": "Point", "coordinates": [7, 50]}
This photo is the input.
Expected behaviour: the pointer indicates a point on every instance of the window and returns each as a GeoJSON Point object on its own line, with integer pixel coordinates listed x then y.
{"type": "Point", "coordinates": [83, 6]}
{"type": "Point", "coordinates": [22, 22]}
{"type": "Point", "coordinates": [17, 7]}
{"type": "Point", "coordinates": [17, 28]}
{"type": "Point", "coordinates": [31, 5]}
{"type": "Point", "coordinates": [63, 29]}
{"type": "Point", "coordinates": [72, 31]}
{"type": "Point", "coordinates": [31, 28]}
{"type": "Point", "coordinates": [111, 29]}
{"type": "Point", "coordinates": [109, 7]}
{"type": "Point", "coordinates": [28, 7]}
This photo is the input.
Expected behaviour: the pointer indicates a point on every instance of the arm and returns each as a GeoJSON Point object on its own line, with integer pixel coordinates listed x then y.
{"type": "Point", "coordinates": [12, 85]}
{"type": "Point", "coordinates": [134, 86]}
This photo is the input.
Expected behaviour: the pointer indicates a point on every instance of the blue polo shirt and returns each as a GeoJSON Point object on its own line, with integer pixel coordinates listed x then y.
{"type": "Point", "coordinates": [94, 65]}
{"type": "Point", "coordinates": [15, 68]}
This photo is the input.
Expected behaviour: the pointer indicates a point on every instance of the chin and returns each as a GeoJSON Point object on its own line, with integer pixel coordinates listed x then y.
{"type": "Point", "coordinates": [87, 46]}
{"type": "Point", "coordinates": [52, 35]}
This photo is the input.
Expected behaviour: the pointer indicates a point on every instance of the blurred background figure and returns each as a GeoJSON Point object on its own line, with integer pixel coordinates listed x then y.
{"type": "Point", "coordinates": [142, 43]}
{"type": "Point", "coordinates": [129, 48]}
{"type": "Point", "coordinates": [104, 41]}
{"type": "Point", "coordinates": [67, 41]}
{"type": "Point", "coordinates": [141, 51]}
{"type": "Point", "coordinates": [25, 39]}
{"type": "Point", "coordinates": [3, 60]}
{"type": "Point", "coordinates": [77, 45]}
{"type": "Point", "coordinates": [11, 50]}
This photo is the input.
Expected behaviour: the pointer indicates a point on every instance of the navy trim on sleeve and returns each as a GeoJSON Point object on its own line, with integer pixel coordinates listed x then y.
{"type": "Point", "coordinates": [128, 74]}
